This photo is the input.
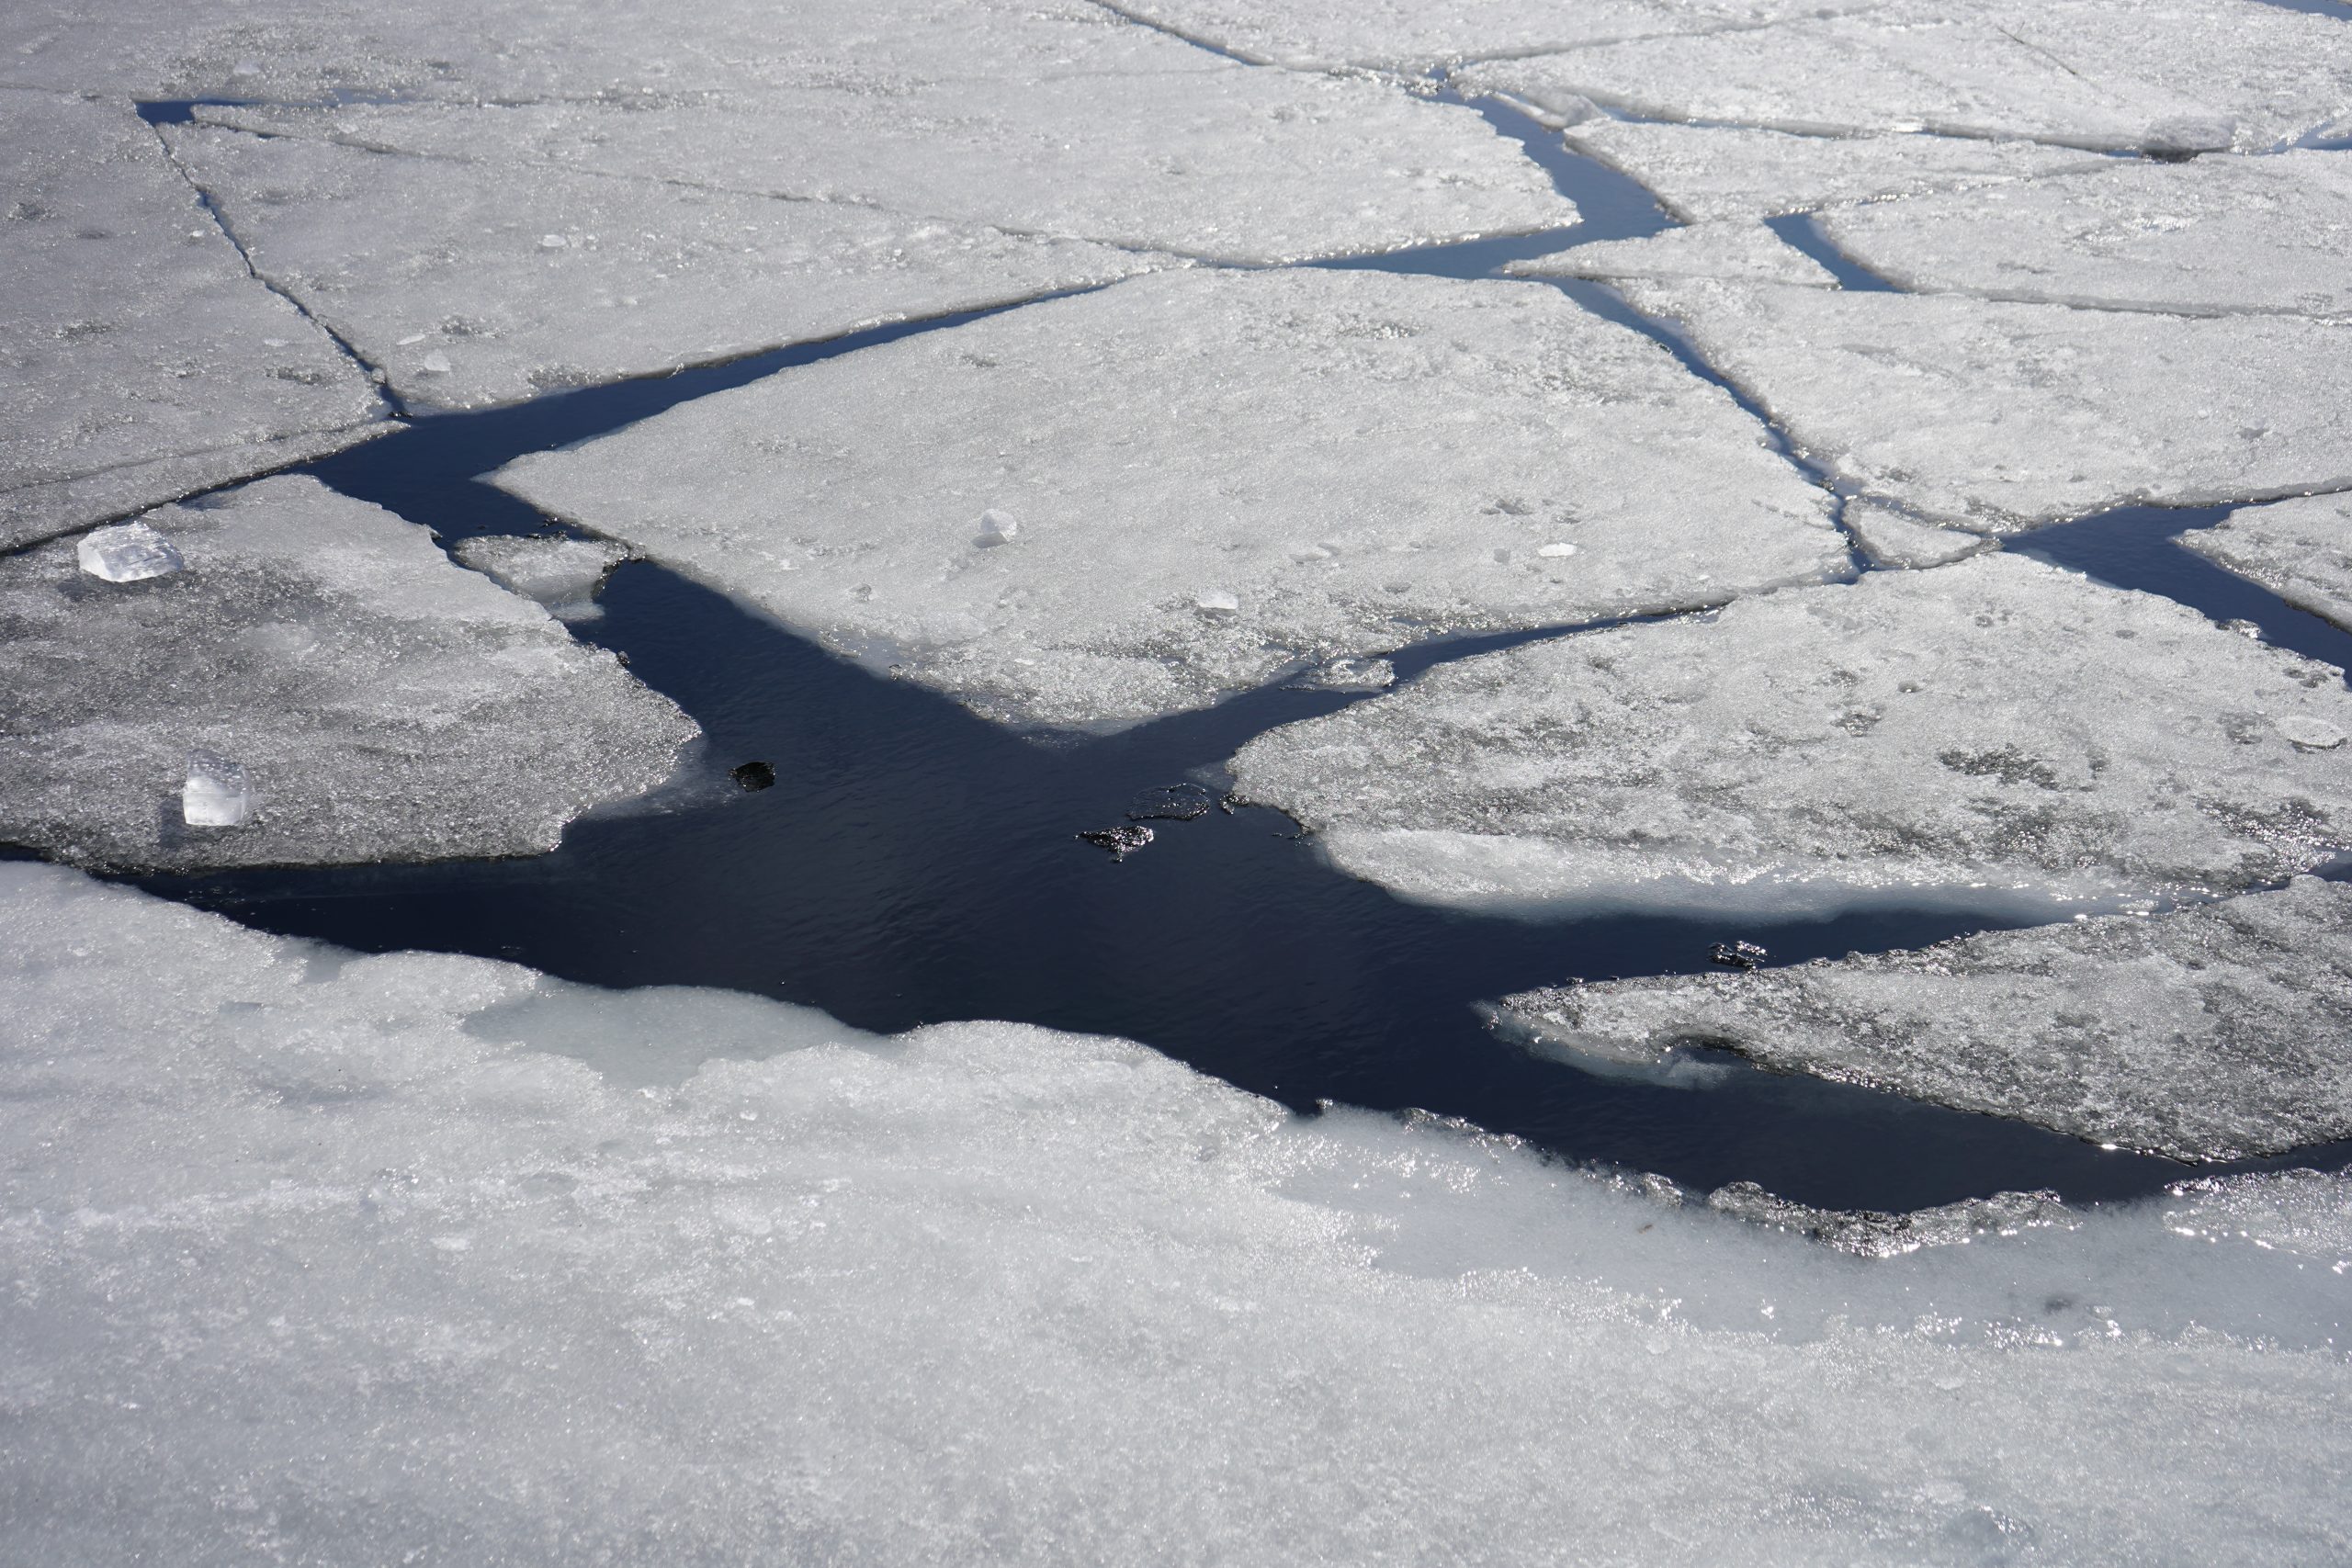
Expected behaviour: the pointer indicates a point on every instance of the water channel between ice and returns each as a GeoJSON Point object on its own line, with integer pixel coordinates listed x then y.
{"type": "Point", "coordinates": [915, 863]}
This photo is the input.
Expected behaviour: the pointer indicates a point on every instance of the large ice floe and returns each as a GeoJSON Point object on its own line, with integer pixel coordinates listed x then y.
{"type": "Point", "coordinates": [2000, 416]}
{"type": "Point", "coordinates": [143, 361]}
{"type": "Point", "coordinates": [2210, 1032]}
{"type": "Point", "coordinates": [1102, 509]}
{"type": "Point", "coordinates": [470, 288]}
{"type": "Point", "coordinates": [317, 683]}
{"type": "Point", "coordinates": [2175, 78]}
{"type": "Point", "coordinates": [372, 1258]}
{"type": "Point", "coordinates": [1995, 734]}
{"type": "Point", "coordinates": [2299, 550]}
{"type": "Point", "coordinates": [2207, 237]}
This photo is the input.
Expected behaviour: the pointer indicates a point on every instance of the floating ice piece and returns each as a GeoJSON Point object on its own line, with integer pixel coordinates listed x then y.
{"type": "Point", "coordinates": [393, 704]}
{"type": "Point", "coordinates": [1995, 734]}
{"type": "Point", "coordinates": [1121, 841]}
{"type": "Point", "coordinates": [1868, 1233]}
{"type": "Point", "coordinates": [127, 552]}
{"type": "Point", "coordinates": [563, 574]}
{"type": "Point", "coordinates": [1187, 154]}
{"type": "Point", "coordinates": [996, 528]}
{"type": "Point", "coordinates": [983, 1277]}
{"type": "Point", "coordinates": [2004, 416]}
{"type": "Point", "coordinates": [1892, 539]}
{"type": "Point", "coordinates": [1171, 803]}
{"type": "Point", "coordinates": [217, 794]}
{"type": "Point", "coordinates": [2299, 550]}
{"type": "Point", "coordinates": [143, 360]}
{"type": "Point", "coordinates": [1204, 423]}
{"type": "Point", "coordinates": [372, 244]}
{"type": "Point", "coordinates": [1745, 251]}
{"type": "Point", "coordinates": [2211, 1033]}
{"type": "Point", "coordinates": [2206, 238]}
{"type": "Point", "coordinates": [2171, 78]}
{"type": "Point", "coordinates": [1349, 673]}
{"type": "Point", "coordinates": [1724, 174]}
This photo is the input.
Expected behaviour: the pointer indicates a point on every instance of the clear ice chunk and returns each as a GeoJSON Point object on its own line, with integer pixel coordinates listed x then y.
{"type": "Point", "coordinates": [217, 794]}
{"type": "Point", "coordinates": [127, 552]}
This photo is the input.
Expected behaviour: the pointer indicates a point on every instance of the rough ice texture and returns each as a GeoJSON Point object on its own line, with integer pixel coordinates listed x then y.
{"type": "Point", "coordinates": [563, 574]}
{"type": "Point", "coordinates": [1219, 478]}
{"type": "Point", "coordinates": [1996, 733]}
{"type": "Point", "coordinates": [2299, 550]}
{"type": "Point", "coordinates": [1232, 163]}
{"type": "Point", "coordinates": [143, 361]}
{"type": "Point", "coordinates": [2207, 237]}
{"type": "Point", "coordinates": [2005, 416]}
{"type": "Point", "coordinates": [2178, 76]}
{"type": "Point", "coordinates": [1710, 173]}
{"type": "Point", "coordinates": [1890, 538]}
{"type": "Point", "coordinates": [1745, 251]}
{"type": "Point", "coordinates": [352, 1259]}
{"type": "Point", "coordinates": [470, 288]}
{"type": "Point", "coordinates": [1411, 36]}
{"type": "Point", "coordinates": [385, 704]}
{"type": "Point", "coordinates": [2212, 1032]}
{"type": "Point", "coordinates": [1871, 1233]}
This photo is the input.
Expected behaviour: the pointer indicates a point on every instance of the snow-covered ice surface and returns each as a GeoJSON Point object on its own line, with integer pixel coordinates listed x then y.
{"type": "Point", "coordinates": [1232, 163]}
{"type": "Point", "coordinates": [144, 362]}
{"type": "Point", "coordinates": [384, 703]}
{"type": "Point", "coordinates": [1217, 477]}
{"type": "Point", "coordinates": [2299, 550]}
{"type": "Point", "coordinates": [471, 285]}
{"type": "Point", "coordinates": [2185, 76]}
{"type": "Point", "coordinates": [360, 1258]}
{"type": "Point", "coordinates": [2207, 237]}
{"type": "Point", "coordinates": [1750, 252]}
{"type": "Point", "coordinates": [1707, 173]}
{"type": "Point", "coordinates": [2211, 1033]}
{"type": "Point", "coordinates": [1996, 733]}
{"type": "Point", "coordinates": [2002, 416]}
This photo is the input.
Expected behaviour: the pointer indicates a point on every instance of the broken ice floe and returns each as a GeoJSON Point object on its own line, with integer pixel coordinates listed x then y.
{"type": "Point", "coordinates": [127, 552]}
{"type": "Point", "coordinates": [1891, 539]}
{"type": "Point", "coordinates": [2211, 1033]}
{"type": "Point", "coordinates": [1750, 252]}
{"type": "Point", "coordinates": [1995, 734]}
{"type": "Point", "coordinates": [143, 360]}
{"type": "Point", "coordinates": [1120, 839]}
{"type": "Point", "coordinates": [2174, 78]}
{"type": "Point", "coordinates": [988, 1272]}
{"type": "Point", "coordinates": [2210, 237]}
{"type": "Point", "coordinates": [383, 702]}
{"type": "Point", "coordinates": [563, 574]}
{"type": "Point", "coordinates": [2002, 416]}
{"type": "Point", "coordinates": [1222, 478]}
{"type": "Point", "coordinates": [2299, 550]}
{"type": "Point", "coordinates": [436, 270]}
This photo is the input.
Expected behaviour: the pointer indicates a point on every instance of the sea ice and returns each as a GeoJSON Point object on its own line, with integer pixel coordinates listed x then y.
{"type": "Point", "coordinates": [413, 1256]}
{"type": "Point", "coordinates": [2005, 416]}
{"type": "Point", "coordinates": [1996, 734]}
{"type": "Point", "coordinates": [1745, 251]}
{"type": "Point", "coordinates": [2176, 77]}
{"type": "Point", "coordinates": [1891, 539]}
{"type": "Point", "coordinates": [435, 270]}
{"type": "Point", "coordinates": [1714, 174]}
{"type": "Point", "coordinates": [127, 552]}
{"type": "Point", "coordinates": [2299, 550]}
{"type": "Point", "coordinates": [143, 360]}
{"type": "Point", "coordinates": [2211, 1033]}
{"type": "Point", "coordinates": [1221, 478]}
{"type": "Point", "coordinates": [1231, 162]}
{"type": "Point", "coordinates": [384, 703]}
{"type": "Point", "coordinates": [2208, 237]}
{"type": "Point", "coordinates": [563, 574]}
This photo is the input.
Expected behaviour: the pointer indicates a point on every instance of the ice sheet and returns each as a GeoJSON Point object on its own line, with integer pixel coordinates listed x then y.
{"type": "Point", "coordinates": [2211, 1033]}
{"type": "Point", "coordinates": [1745, 251]}
{"type": "Point", "coordinates": [1707, 173]}
{"type": "Point", "coordinates": [345, 1259]}
{"type": "Point", "coordinates": [1232, 163]}
{"type": "Point", "coordinates": [470, 286]}
{"type": "Point", "coordinates": [2176, 76]}
{"type": "Point", "coordinates": [2299, 550]}
{"type": "Point", "coordinates": [143, 361]}
{"type": "Point", "coordinates": [1995, 734]}
{"type": "Point", "coordinates": [2005, 416]}
{"type": "Point", "coordinates": [1219, 478]}
{"type": "Point", "coordinates": [2206, 237]}
{"type": "Point", "coordinates": [383, 702]}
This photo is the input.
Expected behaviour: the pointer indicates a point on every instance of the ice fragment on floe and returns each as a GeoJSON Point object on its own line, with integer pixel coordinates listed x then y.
{"type": "Point", "coordinates": [995, 528]}
{"type": "Point", "coordinates": [127, 552]}
{"type": "Point", "coordinates": [2304, 730]}
{"type": "Point", "coordinates": [1119, 840]}
{"type": "Point", "coordinates": [1350, 672]}
{"type": "Point", "coordinates": [1219, 602]}
{"type": "Point", "coordinates": [216, 793]}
